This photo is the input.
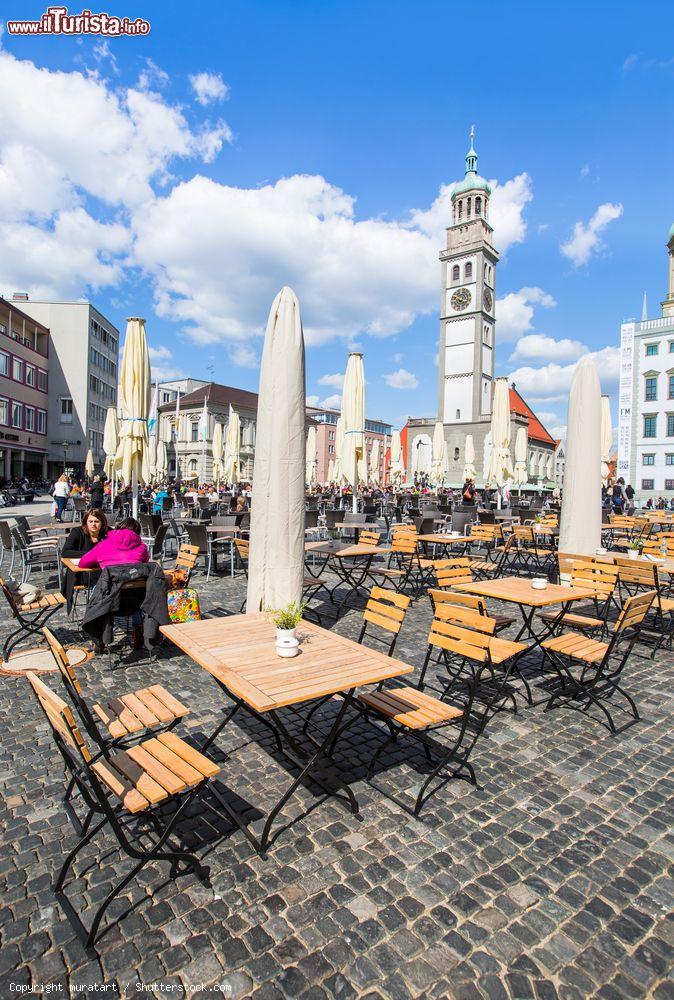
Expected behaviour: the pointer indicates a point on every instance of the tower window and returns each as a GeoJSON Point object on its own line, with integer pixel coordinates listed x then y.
{"type": "Point", "coordinates": [456, 274]}
{"type": "Point", "coordinates": [458, 414]}
{"type": "Point", "coordinates": [456, 454]}
{"type": "Point", "coordinates": [468, 211]}
{"type": "Point", "coordinates": [468, 272]}
{"type": "Point", "coordinates": [460, 209]}
{"type": "Point", "coordinates": [478, 206]}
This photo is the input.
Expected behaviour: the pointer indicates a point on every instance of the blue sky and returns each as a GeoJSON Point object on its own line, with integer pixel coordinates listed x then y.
{"type": "Point", "coordinates": [313, 152]}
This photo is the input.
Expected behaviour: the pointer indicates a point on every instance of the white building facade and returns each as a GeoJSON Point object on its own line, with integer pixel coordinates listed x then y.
{"type": "Point", "coordinates": [646, 400]}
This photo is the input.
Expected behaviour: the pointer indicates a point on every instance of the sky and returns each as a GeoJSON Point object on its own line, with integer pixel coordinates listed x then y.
{"type": "Point", "coordinates": [188, 174]}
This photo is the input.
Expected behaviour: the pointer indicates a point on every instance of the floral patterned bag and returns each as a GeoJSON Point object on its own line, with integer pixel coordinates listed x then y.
{"type": "Point", "coordinates": [183, 605]}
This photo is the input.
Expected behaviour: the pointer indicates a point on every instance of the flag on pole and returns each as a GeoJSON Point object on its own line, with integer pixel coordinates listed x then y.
{"type": "Point", "coordinates": [203, 423]}
{"type": "Point", "coordinates": [152, 419]}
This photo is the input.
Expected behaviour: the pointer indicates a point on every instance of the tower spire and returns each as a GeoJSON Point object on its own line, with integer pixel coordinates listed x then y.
{"type": "Point", "coordinates": [471, 157]}
{"type": "Point", "coordinates": [644, 310]}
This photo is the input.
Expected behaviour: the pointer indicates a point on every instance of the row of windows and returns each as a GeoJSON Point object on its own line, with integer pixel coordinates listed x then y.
{"type": "Point", "coordinates": [467, 273]}
{"type": "Point", "coordinates": [105, 337]}
{"type": "Point", "coordinates": [651, 425]}
{"type": "Point", "coordinates": [649, 484]}
{"type": "Point", "coordinates": [97, 412]}
{"type": "Point", "coordinates": [651, 387]}
{"type": "Point", "coordinates": [101, 361]}
{"type": "Point", "coordinates": [21, 417]}
{"type": "Point", "coordinates": [102, 388]}
{"type": "Point", "coordinates": [653, 349]}
{"type": "Point", "coordinates": [37, 344]}
{"type": "Point", "coordinates": [19, 370]}
{"type": "Point", "coordinates": [96, 442]}
{"type": "Point", "coordinates": [469, 207]}
{"type": "Point", "coordinates": [649, 459]}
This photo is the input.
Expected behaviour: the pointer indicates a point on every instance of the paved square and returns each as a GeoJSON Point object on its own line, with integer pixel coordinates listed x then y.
{"type": "Point", "coordinates": [554, 878]}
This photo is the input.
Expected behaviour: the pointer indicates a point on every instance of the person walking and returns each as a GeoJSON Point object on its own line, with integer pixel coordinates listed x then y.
{"type": "Point", "coordinates": [61, 494]}
{"type": "Point", "coordinates": [629, 493]}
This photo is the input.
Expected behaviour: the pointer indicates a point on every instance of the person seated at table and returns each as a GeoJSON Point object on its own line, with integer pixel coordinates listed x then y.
{"type": "Point", "coordinates": [121, 545]}
{"type": "Point", "coordinates": [82, 539]}
{"type": "Point", "coordinates": [158, 501]}
{"type": "Point", "coordinates": [96, 494]}
{"type": "Point", "coordinates": [241, 505]}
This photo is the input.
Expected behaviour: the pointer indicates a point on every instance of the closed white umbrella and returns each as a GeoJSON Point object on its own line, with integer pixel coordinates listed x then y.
{"type": "Point", "coordinates": [312, 456]}
{"type": "Point", "coordinates": [276, 562]}
{"type": "Point", "coordinates": [445, 463]}
{"type": "Point", "coordinates": [216, 450]}
{"type": "Point", "coordinates": [338, 469]}
{"type": "Point", "coordinates": [606, 438]}
{"type": "Point", "coordinates": [353, 415]}
{"type": "Point", "coordinates": [152, 455]}
{"type": "Point", "coordinates": [580, 521]}
{"type": "Point", "coordinates": [500, 463]}
{"type": "Point", "coordinates": [542, 465]}
{"type": "Point", "coordinates": [422, 464]}
{"type": "Point", "coordinates": [438, 450]}
{"type": "Point", "coordinates": [231, 472]}
{"type": "Point", "coordinates": [550, 472]}
{"type": "Point", "coordinates": [89, 464]}
{"type": "Point", "coordinates": [397, 463]}
{"type": "Point", "coordinates": [134, 408]}
{"type": "Point", "coordinates": [161, 465]}
{"type": "Point", "coordinates": [374, 462]}
{"type": "Point", "coordinates": [110, 440]}
{"type": "Point", "coordinates": [520, 474]}
{"type": "Point", "coordinates": [469, 459]}
{"type": "Point", "coordinates": [486, 457]}
{"type": "Point", "coordinates": [331, 470]}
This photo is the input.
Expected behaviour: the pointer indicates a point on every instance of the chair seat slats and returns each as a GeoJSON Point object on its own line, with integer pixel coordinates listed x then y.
{"type": "Point", "coordinates": [410, 707]}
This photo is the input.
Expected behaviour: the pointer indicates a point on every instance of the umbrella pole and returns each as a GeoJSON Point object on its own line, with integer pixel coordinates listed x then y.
{"type": "Point", "coordinates": [134, 495]}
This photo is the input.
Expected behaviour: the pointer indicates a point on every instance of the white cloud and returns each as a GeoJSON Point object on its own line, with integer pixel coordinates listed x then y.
{"type": "Point", "coordinates": [630, 62]}
{"type": "Point", "coordinates": [152, 76]}
{"type": "Point", "coordinates": [401, 379]}
{"type": "Point", "coordinates": [515, 311]}
{"type": "Point", "coordinates": [244, 356]}
{"type": "Point", "coordinates": [536, 346]}
{"type": "Point", "coordinates": [333, 402]}
{"type": "Point", "coordinates": [312, 400]}
{"type": "Point", "coordinates": [585, 170]}
{"type": "Point", "coordinates": [336, 380]}
{"type": "Point", "coordinates": [586, 239]}
{"type": "Point", "coordinates": [398, 358]}
{"type": "Point", "coordinates": [209, 87]}
{"type": "Point", "coordinates": [159, 353]}
{"type": "Point", "coordinates": [552, 382]}
{"type": "Point", "coordinates": [506, 212]}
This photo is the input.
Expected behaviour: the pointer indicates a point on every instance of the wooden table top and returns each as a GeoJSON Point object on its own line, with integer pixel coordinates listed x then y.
{"type": "Point", "coordinates": [74, 565]}
{"type": "Point", "coordinates": [441, 539]}
{"type": "Point", "coordinates": [664, 565]}
{"type": "Point", "coordinates": [518, 590]}
{"type": "Point", "coordinates": [240, 652]}
{"type": "Point", "coordinates": [341, 549]}
{"type": "Point", "coordinates": [222, 529]}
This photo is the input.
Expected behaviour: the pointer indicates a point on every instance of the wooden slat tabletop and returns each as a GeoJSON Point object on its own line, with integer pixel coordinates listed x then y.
{"type": "Point", "coordinates": [440, 539]}
{"type": "Point", "coordinates": [518, 590]}
{"type": "Point", "coordinates": [240, 652]}
{"type": "Point", "coordinates": [664, 565]}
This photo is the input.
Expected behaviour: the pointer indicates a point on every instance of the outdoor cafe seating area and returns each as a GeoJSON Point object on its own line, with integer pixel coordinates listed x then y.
{"type": "Point", "coordinates": [422, 644]}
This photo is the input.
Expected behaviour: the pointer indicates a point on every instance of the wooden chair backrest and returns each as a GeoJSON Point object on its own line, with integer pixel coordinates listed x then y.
{"type": "Point", "coordinates": [638, 572]}
{"type": "Point", "coordinates": [601, 577]}
{"type": "Point", "coordinates": [60, 716]}
{"type": "Point", "coordinates": [523, 533]}
{"type": "Point", "coordinates": [634, 610]}
{"type": "Point", "coordinates": [187, 557]}
{"type": "Point", "coordinates": [242, 547]}
{"type": "Point", "coordinates": [471, 601]}
{"type": "Point", "coordinates": [653, 546]}
{"type": "Point", "coordinates": [486, 532]}
{"type": "Point", "coordinates": [368, 538]}
{"type": "Point", "coordinates": [404, 540]}
{"type": "Point", "coordinates": [450, 572]}
{"type": "Point", "coordinates": [463, 631]}
{"type": "Point", "coordinates": [386, 608]}
{"type": "Point", "coordinates": [622, 521]}
{"type": "Point", "coordinates": [61, 659]}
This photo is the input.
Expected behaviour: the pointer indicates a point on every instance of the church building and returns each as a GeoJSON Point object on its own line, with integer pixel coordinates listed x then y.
{"type": "Point", "coordinates": [466, 355]}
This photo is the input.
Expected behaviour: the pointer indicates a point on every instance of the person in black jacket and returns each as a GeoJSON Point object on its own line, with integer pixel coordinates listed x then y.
{"type": "Point", "coordinates": [96, 493]}
{"type": "Point", "coordinates": [81, 539]}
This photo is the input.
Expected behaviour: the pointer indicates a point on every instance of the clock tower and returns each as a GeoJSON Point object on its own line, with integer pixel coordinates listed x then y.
{"type": "Point", "coordinates": [467, 296]}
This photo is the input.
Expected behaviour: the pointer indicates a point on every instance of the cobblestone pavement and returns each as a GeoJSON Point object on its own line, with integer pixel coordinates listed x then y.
{"type": "Point", "coordinates": [554, 878]}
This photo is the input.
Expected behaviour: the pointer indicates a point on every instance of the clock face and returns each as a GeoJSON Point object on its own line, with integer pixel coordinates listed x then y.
{"type": "Point", "coordinates": [460, 299]}
{"type": "Point", "coordinates": [487, 299]}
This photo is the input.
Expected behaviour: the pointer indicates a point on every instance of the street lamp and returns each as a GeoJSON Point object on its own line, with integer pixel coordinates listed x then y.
{"type": "Point", "coordinates": [65, 445]}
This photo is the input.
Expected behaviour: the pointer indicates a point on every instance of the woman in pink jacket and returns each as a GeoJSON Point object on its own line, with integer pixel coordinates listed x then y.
{"type": "Point", "coordinates": [121, 545]}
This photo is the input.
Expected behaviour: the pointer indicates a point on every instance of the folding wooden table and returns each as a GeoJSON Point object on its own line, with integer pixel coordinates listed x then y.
{"type": "Point", "coordinates": [239, 653]}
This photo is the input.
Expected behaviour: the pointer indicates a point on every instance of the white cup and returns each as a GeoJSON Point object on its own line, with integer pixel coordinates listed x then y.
{"type": "Point", "coordinates": [539, 583]}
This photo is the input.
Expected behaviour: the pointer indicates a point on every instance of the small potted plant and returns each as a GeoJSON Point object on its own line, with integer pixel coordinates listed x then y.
{"type": "Point", "coordinates": [286, 620]}
{"type": "Point", "coordinates": [633, 550]}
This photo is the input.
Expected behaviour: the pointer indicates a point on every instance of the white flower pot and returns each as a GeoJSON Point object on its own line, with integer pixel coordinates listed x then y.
{"type": "Point", "coordinates": [633, 553]}
{"type": "Point", "coordinates": [284, 634]}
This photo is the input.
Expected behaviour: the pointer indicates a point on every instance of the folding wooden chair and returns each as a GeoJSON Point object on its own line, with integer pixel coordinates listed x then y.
{"type": "Point", "coordinates": [120, 787]}
{"type": "Point", "coordinates": [531, 555]}
{"type": "Point", "coordinates": [475, 603]}
{"type": "Point", "coordinates": [186, 560]}
{"type": "Point", "coordinates": [589, 669]}
{"type": "Point", "coordinates": [464, 642]}
{"type": "Point", "coordinates": [636, 576]}
{"type": "Point", "coordinates": [601, 579]}
{"type": "Point", "coordinates": [405, 565]}
{"type": "Point", "coordinates": [30, 617]}
{"type": "Point", "coordinates": [492, 568]}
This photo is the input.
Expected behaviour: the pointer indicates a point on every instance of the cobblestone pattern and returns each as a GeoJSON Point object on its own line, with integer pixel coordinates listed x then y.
{"type": "Point", "coordinates": [554, 878]}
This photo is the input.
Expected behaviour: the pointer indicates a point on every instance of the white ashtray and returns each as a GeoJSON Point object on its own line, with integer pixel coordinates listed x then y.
{"type": "Point", "coordinates": [454, 534]}
{"type": "Point", "coordinates": [600, 552]}
{"type": "Point", "coordinates": [539, 583]}
{"type": "Point", "coordinates": [288, 647]}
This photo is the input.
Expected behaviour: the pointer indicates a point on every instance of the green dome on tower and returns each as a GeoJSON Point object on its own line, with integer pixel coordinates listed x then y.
{"type": "Point", "coordinates": [472, 181]}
